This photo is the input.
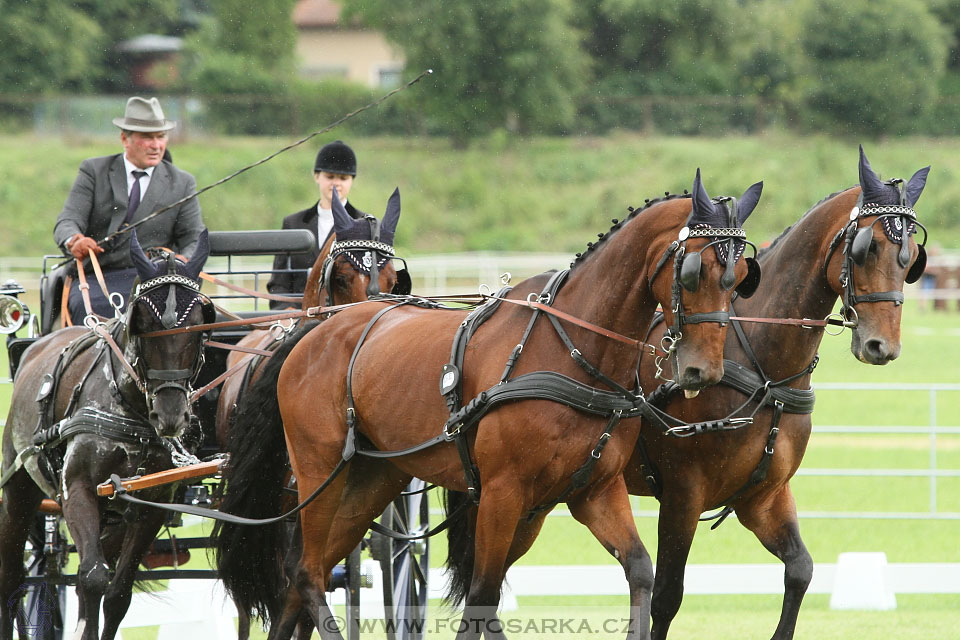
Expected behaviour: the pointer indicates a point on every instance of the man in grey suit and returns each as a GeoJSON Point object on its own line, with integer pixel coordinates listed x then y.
{"type": "Point", "coordinates": [113, 192]}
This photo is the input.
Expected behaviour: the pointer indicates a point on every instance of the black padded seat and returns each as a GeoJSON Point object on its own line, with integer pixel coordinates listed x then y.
{"type": "Point", "coordinates": [260, 243]}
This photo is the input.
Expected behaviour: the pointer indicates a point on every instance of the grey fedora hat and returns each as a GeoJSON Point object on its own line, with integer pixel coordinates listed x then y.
{"type": "Point", "coordinates": [143, 115]}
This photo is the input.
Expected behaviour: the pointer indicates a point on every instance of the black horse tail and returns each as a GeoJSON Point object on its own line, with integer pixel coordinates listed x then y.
{"type": "Point", "coordinates": [460, 550]}
{"type": "Point", "coordinates": [249, 558]}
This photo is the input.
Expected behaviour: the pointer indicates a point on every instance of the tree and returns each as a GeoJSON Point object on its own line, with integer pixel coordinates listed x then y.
{"type": "Point", "coordinates": [500, 63]}
{"type": "Point", "coordinates": [872, 65]}
{"type": "Point", "coordinates": [64, 45]}
{"type": "Point", "coordinates": [665, 48]}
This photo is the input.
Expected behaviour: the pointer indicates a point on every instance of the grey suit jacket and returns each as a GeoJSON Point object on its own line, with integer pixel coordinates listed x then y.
{"type": "Point", "coordinates": [97, 205]}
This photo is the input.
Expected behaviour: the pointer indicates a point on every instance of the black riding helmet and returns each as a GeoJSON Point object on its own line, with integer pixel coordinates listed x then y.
{"type": "Point", "coordinates": [336, 157]}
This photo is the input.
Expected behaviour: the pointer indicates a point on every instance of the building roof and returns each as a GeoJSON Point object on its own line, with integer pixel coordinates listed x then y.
{"type": "Point", "coordinates": [151, 43]}
{"type": "Point", "coordinates": [316, 13]}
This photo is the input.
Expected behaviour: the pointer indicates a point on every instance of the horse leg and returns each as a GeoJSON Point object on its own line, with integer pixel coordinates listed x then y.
{"type": "Point", "coordinates": [136, 541]}
{"type": "Point", "coordinates": [772, 517]}
{"type": "Point", "coordinates": [606, 511]}
{"type": "Point", "coordinates": [497, 517]}
{"type": "Point", "coordinates": [308, 583]}
{"type": "Point", "coordinates": [81, 512]}
{"type": "Point", "coordinates": [21, 498]}
{"type": "Point", "coordinates": [679, 514]}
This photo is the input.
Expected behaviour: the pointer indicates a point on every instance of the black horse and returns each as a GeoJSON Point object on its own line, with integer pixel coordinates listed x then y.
{"type": "Point", "coordinates": [90, 403]}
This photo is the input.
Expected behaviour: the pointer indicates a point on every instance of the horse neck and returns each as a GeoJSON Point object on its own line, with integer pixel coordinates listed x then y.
{"type": "Point", "coordinates": [311, 296]}
{"type": "Point", "coordinates": [794, 285]}
{"type": "Point", "coordinates": [610, 287]}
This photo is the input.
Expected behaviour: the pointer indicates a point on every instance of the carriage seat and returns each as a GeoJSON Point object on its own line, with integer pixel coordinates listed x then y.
{"type": "Point", "coordinates": [260, 243]}
{"type": "Point", "coordinates": [51, 295]}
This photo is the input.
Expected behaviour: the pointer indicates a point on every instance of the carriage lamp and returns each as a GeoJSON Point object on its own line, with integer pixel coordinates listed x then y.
{"type": "Point", "coordinates": [13, 313]}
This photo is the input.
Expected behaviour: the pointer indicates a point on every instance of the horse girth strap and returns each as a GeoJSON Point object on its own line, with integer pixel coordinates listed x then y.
{"type": "Point", "coordinates": [741, 378]}
{"type": "Point", "coordinates": [97, 422]}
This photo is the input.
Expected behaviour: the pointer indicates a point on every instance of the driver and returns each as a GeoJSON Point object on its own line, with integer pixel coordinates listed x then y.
{"type": "Point", "coordinates": [112, 192]}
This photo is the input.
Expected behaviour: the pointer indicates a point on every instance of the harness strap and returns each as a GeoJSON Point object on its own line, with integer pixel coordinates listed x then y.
{"type": "Point", "coordinates": [235, 347]}
{"type": "Point", "coordinates": [759, 473]}
{"type": "Point", "coordinates": [100, 330]}
{"type": "Point", "coordinates": [65, 320]}
{"type": "Point", "coordinates": [249, 292]}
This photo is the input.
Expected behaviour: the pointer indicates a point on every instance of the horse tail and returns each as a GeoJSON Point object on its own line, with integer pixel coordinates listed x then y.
{"type": "Point", "coordinates": [460, 546]}
{"type": "Point", "coordinates": [249, 558]}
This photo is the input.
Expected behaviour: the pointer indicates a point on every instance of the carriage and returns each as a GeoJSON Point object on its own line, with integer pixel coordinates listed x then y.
{"type": "Point", "coordinates": [880, 257]}
{"type": "Point", "coordinates": [402, 563]}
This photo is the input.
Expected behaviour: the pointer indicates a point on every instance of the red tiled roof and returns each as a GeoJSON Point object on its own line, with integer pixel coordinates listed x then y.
{"type": "Point", "coordinates": [316, 13]}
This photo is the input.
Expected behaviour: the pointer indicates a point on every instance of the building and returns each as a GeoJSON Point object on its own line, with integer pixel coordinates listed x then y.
{"type": "Point", "coordinates": [327, 47]}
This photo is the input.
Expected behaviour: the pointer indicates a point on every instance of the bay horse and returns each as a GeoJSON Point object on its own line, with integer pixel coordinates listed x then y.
{"type": "Point", "coordinates": [339, 275]}
{"type": "Point", "coordinates": [346, 270]}
{"type": "Point", "coordinates": [383, 397]}
{"type": "Point", "coordinates": [857, 246]}
{"type": "Point", "coordinates": [90, 403]}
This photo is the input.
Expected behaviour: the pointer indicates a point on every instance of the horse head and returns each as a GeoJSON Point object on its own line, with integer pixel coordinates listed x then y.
{"type": "Point", "coordinates": [360, 263]}
{"type": "Point", "coordinates": [880, 254]}
{"type": "Point", "coordinates": [707, 270]}
{"type": "Point", "coordinates": [167, 297]}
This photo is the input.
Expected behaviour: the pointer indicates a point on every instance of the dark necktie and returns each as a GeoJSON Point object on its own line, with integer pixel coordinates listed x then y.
{"type": "Point", "coordinates": [134, 201]}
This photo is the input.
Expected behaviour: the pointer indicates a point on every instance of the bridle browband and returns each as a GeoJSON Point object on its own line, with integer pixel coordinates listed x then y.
{"type": "Point", "coordinates": [375, 256]}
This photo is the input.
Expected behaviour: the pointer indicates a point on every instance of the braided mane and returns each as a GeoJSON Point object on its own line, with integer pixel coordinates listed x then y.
{"type": "Point", "coordinates": [617, 224]}
{"type": "Point", "coordinates": [776, 240]}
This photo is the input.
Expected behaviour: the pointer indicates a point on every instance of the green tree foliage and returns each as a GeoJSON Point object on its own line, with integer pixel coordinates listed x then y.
{"type": "Point", "coordinates": [666, 48]}
{"type": "Point", "coordinates": [47, 46]}
{"type": "Point", "coordinates": [64, 45]}
{"type": "Point", "coordinates": [871, 65]}
{"type": "Point", "coordinates": [500, 63]}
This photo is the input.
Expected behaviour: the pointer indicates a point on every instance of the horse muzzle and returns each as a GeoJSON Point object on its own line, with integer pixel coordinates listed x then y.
{"type": "Point", "coordinates": [169, 410]}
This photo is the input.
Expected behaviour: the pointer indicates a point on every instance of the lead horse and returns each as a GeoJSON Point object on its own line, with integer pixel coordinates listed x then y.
{"type": "Point", "coordinates": [749, 433]}
{"type": "Point", "coordinates": [540, 443]}
{"type": "Point", "coordinates": [82, 410]}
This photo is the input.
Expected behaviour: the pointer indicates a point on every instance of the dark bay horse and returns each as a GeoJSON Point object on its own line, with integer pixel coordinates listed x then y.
{"type": "Point", "coordinates": [856, 245]}
{"type": "Point", "coordinates": [343, 279]}
{"type": "Point", "coordinates": [81, 412]}
{"type": "Point", "coordinates": [680, 251]}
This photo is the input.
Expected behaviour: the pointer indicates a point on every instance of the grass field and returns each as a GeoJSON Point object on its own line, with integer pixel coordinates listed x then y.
{"type": "Point", "coordinates": [503, 193]}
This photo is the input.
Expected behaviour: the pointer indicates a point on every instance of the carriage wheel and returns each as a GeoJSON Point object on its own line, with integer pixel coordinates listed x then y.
{"type": "Point", "coordinates": [405, 564]}
{"type": "Point", "coordinates": [352, 589]}
{"type": "Point", "coordinates": [40, 616]}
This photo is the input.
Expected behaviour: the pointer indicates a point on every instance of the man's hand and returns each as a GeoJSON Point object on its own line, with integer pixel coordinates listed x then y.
{"type": "Point", "coordinates": [79, 246]}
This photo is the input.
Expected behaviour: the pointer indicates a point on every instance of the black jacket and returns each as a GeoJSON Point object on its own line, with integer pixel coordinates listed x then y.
{"type": "Point", "coordinates": [294, 283]}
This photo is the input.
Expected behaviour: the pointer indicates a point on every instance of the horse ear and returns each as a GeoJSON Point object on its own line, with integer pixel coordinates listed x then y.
{"type": "Point", "coordinates": [145, 268]}
{"type": "Point", "coordinates": [341, 219]}
{"type": "Point", "coordinates": [195, 265]}
{"type": "Point", "coordinates": [702, 206]}
{"type": "Point", "coordinates": [391, 217]}
{"type": "Point", "coordinates": [748, 201]}
{"type": "Point", "coordinates": [915, 185]}
{"type": "Point", "coordinates": [870, 183]}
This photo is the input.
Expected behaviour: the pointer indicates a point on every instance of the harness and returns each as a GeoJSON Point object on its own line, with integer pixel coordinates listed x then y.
{"type": "Point", "coordinates": [130, 426]}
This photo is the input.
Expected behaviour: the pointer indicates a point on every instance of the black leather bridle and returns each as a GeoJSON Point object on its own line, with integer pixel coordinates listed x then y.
{"type": "Point", "coordinates": [856, 245]}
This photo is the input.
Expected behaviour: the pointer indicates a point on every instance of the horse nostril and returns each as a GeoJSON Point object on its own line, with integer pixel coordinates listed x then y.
{"type": "Point", "coordinates": [877, 351]}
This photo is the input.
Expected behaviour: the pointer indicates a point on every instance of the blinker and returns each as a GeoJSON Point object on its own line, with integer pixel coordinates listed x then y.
{"type": "Point", "coordinates": [690, 272]}
{"type": "Point", "coordinates": [861, 245]}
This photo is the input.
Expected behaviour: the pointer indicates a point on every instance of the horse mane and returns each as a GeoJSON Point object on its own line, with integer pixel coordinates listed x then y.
{"type": "Point", "coordinates": [776, 240]}
{"type": "Point", "coordinates": [617, 224]}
